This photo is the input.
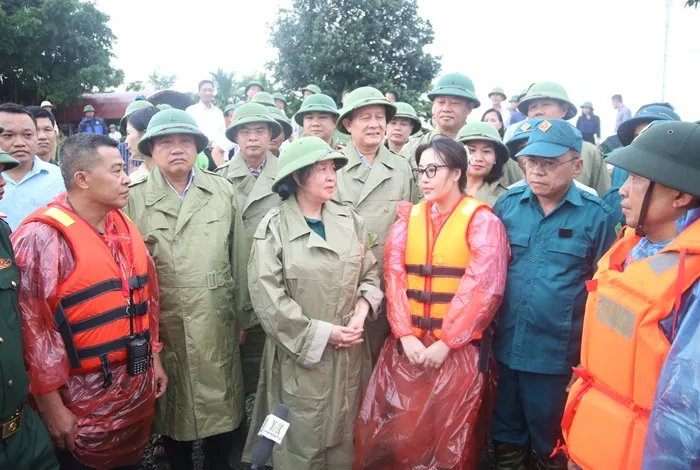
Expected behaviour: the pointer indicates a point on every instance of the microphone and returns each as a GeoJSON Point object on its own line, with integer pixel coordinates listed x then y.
{"type": "Point", "coordinates": [272, 432]}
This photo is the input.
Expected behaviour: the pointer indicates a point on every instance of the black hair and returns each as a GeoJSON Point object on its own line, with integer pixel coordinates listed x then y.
{"type": "Point", "coordinates": [39, 112]}
{"type": "Point", "coordinates": [140, 118]}
{"type": "Point", "coordinates": [617, 98]}
{"type": "Point", "coordinates": [79, 153]}
{"type": "Point", "coordinates": [13, 108]}
{"type": "Point", "coordinates": [393, 92]}
{"type": "Point", "coordinates": [204, 82]}
{"type": "Point", "coordinates": [289, 186]}
{"type": "Point", "coordinates": [502, 130]}
{"type": "Point", "coordinates": [453, 155]}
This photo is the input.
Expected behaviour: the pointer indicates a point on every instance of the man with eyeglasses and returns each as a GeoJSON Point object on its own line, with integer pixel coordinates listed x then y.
{"type": "Point", "coordinates": [252, 173]}
{"type": "Point", "coordinates": [557, 234]}
{"type": "Point", "coordinates": [374, 181]}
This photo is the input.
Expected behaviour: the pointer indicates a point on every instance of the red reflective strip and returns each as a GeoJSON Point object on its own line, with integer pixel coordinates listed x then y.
{"type": "Point", "coordinates": [592, 285]}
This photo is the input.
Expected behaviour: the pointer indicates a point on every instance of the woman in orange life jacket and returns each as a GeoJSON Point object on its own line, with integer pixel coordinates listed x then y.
{"type": "Point", "coordinates": [445, 268]}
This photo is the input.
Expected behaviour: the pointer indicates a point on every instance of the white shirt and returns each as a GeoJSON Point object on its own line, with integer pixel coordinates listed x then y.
{"type": "Point", "coordinates": [505, 115]}
{"type": "Point", "coordinates": [209, 120]}
{"type": "Point", "coordinates": [116, 136]}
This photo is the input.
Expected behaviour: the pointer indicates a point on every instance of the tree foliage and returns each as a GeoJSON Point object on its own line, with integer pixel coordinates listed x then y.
{"type": "Point", "coordinates": [159, 81]}
{"type": "Point", "coordinates": [225, 83]}
{"type": "Point", "coordinates": [136, 85]}
{"type": "Point", "coordinates": [55, 50]}
{"type": "Point", "coordinates": [692, 3]}
{"type": "Point", "coordinates": [344, 44]}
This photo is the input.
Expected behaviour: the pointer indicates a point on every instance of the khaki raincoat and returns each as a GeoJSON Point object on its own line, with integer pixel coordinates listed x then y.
{"type": "Point", "coordinates": [192, 243]}
{"type": "Point", "coordinates": [374, 194]}
{"type": "Point", "coordinates": [301, 285]}
{"type": "Point", "coordinates": [254, 197]}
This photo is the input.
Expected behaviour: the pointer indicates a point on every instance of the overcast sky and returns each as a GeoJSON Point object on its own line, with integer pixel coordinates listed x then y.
{"type": "Point", "coordinates": [595, 48]}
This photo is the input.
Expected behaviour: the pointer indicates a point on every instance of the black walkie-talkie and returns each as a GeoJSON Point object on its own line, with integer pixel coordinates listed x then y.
{"type": "Point", "coordinates": [138, 350]}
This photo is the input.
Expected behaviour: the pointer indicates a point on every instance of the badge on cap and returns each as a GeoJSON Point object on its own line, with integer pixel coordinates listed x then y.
{"type": "Point", "coordinates": [525, 127]}
{"type": "Point", "coordinates": [545, 126]}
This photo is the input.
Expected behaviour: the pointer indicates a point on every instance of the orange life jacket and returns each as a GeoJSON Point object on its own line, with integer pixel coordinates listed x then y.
{"type": "Point", "coordinates": [623, 350]}
{"type": "Point", "coordinates": [436, 263]}
{"type": "Point", "coordinates": [93, 304]}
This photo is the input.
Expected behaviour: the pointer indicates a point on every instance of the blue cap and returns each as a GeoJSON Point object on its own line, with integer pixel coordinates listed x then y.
{"type": "Point", "coordinates": [645, 114]}
{"type": "Point", "coordinates": [523, 131]}
{"type": "Point", "coordinates": [552, 138]}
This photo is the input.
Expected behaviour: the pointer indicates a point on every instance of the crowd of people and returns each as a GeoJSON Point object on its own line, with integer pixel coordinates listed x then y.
{"type": "Point", "coordinates": [412, 295]}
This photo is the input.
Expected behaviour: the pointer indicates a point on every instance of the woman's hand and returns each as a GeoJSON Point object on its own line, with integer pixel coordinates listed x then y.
{"type": "Point", "coordinates": [435, 355]}
{"type": "Point", "coordinates": [161, 377]}
{"type": "Point", "coordinates": [344, 337]}
{"type": "Point", "coordinates": [413, 348]}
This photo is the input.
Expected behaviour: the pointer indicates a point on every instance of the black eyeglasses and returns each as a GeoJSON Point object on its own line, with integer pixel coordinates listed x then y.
{"type": "Point", "coordinates": [430, 171]}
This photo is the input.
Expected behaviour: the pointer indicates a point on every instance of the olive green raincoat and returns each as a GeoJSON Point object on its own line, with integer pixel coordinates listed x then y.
{"type": "Point", "coordinates": [595, 171]}
{"type": "Point", "coordinates": [254, 197]}
{"type": "Point", "coordinates": [193, 245]}
{"type": "Point", "coordinates": [301, 285]}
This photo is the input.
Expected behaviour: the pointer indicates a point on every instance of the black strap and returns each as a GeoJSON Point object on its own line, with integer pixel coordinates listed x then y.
{"type": "Point", "coordinates": [109, 316]}
{"type": "Point", "coordinates": [426, 323]}
{"type": "Point", "coordinates": [61, 320]}
{"type": "Point", "coordinates": [106, 372]}
{"type": "Point", "coordinates": [109, 347]}
{"type": "Point", "coordinates": [426, 270]}
{"type": "Point", "coordinates": [429, 297]}
{"type": "Point", "coordinates": [91, 292]}
{"type": "Point", "coordinates": [138, 282]}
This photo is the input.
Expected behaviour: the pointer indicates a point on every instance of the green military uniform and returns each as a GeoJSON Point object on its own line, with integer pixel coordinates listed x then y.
{"type": "Point", "coordinates": [254, 198]}
{"type": "Point", "coordinates": [24, 442]}
{"type": "Point", "coordinates": [193, 243]}
{"type": "Point", "coordinates": [374, 193]}
{"type": "Point", "coordinates": [301, 286]}
{"type": "Point", "coordinates": [140, 174]}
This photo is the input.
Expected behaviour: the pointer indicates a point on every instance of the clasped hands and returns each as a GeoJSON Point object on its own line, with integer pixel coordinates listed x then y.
{"type": "Point", "coordinates": [343, 337]}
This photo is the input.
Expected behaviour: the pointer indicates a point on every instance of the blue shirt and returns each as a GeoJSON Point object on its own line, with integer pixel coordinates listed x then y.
{"type": "Point", "coordinates": [540, 321]}
{"type": "Point", "coordinates": [35, 190]}
{"type": "Point", "coordinates": [619, 176]}
{"type": "Point", "coordinates": [673, 436]}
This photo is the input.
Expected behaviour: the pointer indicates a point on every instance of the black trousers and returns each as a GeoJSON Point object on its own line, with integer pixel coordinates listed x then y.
{"type": "Point", "coordinates": [216, 451]}
{"type": "Point", "coordinates": [68, 462]}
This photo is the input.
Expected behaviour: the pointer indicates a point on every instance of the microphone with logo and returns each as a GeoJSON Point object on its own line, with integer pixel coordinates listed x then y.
{"type": "Point", "coordinates": [272, 432]}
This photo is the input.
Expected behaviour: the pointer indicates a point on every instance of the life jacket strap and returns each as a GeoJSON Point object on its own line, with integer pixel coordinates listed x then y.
{"type": "Point", "coordinates": [429, 297]}
{"type": "Point", "coordinates": [426, 270]}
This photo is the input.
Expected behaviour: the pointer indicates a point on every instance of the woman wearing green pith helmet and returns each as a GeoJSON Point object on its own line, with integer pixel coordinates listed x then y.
{"type": "Point", "coordinates": [487, 157]}
{"type": "Point", "coordinates": [313, 282]}
{"type": "Point", "coordinates": [404, 125]}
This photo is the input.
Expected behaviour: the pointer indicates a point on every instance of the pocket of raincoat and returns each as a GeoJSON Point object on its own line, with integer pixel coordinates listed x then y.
{"type": "Point", "coordinates": [300, 384]}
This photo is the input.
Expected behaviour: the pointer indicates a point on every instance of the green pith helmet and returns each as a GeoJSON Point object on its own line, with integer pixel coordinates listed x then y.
{"type": "Point", "coordinates": [6, 159]}
{"type": "Point", "coordinates": [316, 103]}
{"type": "Point", "coordinates": [280, 97]}
{"type": "Point", "coordinates": [88, 108]}
{"type": "Point", "coordinates": [665, 153]}
{"type": "Point", "coordinates": [163, 106]}
{"type": "Point", "coordinates": [305, 152]}
{"type": "Point", "coordinates": [406, 111]}
{"type": "Point", "coordinates": [498, 91]}
{"type": "Point", "coordinates": [264, 98]}
{"type": "Point", "coordinates": [312, 88]}
{"type": "Point", "coordinates": [133, 106]}
{"type": "Point", "coordinates": [480, 130]}
{"type": "Point", "coordinates": [455, 84]}
{"type": "Point", "coordinates": [522, 94]}
{"type": "Point", "coordinates": [360, 98]}
{"type": "Point", "coordinates": [587, 104]}
{"type": "Point", "coordinates": [514, 99]}
{"type": "Point", "coordinates": [251, 113]}
{"type": "Point", "coordinates": [172, 122]}
{"type": "Point", "coordinates": [229, 107]}
{"type": "Point", "coordinates": [247, 87]}
{"type": "Point", "coordinates": [283, 121]}
{"type": "Point", "coordinates": [547, 90]}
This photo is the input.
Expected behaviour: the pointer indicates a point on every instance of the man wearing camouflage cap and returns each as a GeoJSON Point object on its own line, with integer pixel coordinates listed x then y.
{"type": "Point", "coordinates": [640, 364]}
{"type": "Point", "coordinates": [404, 124]}
{"type": "Point", "coordinates": [191, 224]}
{"type": "Point", "coordinates": [25, 442]}
{"type": "Point", "coordinates": [374, 181]}
{"type": "Point", "coordinates": [252, 173]}
{"type": "Point", "coordinates": [317, 117]}
{"type": "Point", "coordinates": [557, 235]}
{"type": "Point", "coordinates": [548, 100]}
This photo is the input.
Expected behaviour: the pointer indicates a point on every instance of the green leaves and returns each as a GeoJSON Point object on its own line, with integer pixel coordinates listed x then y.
{"type": "Point", "coordinates": [55, 50]}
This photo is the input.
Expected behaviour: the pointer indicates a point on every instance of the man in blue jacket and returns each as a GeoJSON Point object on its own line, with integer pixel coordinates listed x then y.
{"type": "Point", "coordinates": [91, 123]}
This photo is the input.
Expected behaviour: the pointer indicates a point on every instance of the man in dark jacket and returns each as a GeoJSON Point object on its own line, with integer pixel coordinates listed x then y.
{"type": "Point", "coordinates": [91, 123]}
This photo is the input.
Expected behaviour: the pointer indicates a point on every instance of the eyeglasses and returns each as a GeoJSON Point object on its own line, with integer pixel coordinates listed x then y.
{"type": "Point", "coordinates": [430, 171]}
{"type": "Point", "coordinates": [547, 164]}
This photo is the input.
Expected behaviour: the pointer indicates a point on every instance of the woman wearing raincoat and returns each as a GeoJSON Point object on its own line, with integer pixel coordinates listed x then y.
{"type": "Point", "coordinates": [314, 280]}
{"type": "Point", "coordinates": [445, 268]}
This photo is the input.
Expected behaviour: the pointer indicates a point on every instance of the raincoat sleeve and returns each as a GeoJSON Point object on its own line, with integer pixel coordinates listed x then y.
{"type": "Point", "coordinates": [239, 256]}
{"type": "Point", "coordinates": [398, 308]}
{"type": "Point", "coordinates": [673, 435]}
{"type": "Point", "coordinates": [368, 285]}
{"type": "Point", "coordinates": [281, 317]}
{"type": "Point", "coordinates": [44, 259]}
{"type": "Point", "coordinates": [154, 307]}
{"type": "Point", "coordinates": [481, 289]}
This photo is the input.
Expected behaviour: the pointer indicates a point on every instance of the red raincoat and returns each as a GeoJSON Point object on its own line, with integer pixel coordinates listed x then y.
{"type": "Point", "coordinates": [113, 423]}
{"type": "Point", "coordinates": [423, 418]}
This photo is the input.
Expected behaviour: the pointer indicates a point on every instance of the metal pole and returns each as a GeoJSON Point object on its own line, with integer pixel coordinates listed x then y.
{"type": "Point", "coordinates": [668, 25]}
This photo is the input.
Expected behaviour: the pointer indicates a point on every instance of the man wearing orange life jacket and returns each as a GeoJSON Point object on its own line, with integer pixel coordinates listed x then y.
{"type": "Point", "coordinates": [90, 311]}
{"type": "Point", "coordinates": [637, 380]}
